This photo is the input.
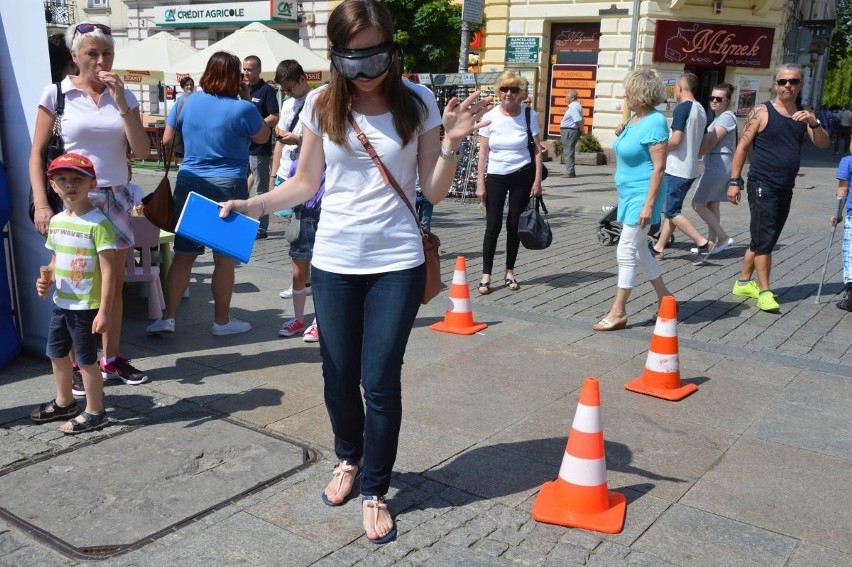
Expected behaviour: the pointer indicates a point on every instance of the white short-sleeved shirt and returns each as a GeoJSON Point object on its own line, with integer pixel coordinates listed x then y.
{"type": "Point", "coordinates": [95, 131]}
{"type": "Point", "coordinates": [688, 117]}
{"type": "Point", "coordinates": [365, 227]}
{"type": "Point", "coordinates": [508, 145]}
{"type": "Point", "coordinates": [289, 152]}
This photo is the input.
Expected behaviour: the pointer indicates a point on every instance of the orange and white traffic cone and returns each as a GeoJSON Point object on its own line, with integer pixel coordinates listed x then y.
{"type": "Point", "coordinates": [662, 367]}
{"type": "Point", "coordinates": [459, 318]}
{"type": "Point", "coordinates": [579, 497]}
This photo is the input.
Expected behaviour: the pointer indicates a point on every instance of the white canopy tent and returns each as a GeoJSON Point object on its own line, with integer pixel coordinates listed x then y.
{"type": "Point", "coordinates": [145, 62]}
{"type": "Point", "coordinates": [254, 39]}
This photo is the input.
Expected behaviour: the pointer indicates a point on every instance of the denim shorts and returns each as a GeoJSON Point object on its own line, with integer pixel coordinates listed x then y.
{"type": "Point", "coordinates": [303, 247]}
{"type": "Point", "coordinates": [218, 189]}
{"type": "Point", "coordinates": [72, 327]}
{"type": "Point", "coordinates": [676, 190]}
{"type": "Point", "coordinates": [769, 209]}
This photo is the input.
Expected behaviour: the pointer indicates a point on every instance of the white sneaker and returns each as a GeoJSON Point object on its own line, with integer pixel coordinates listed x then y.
{"type": "Point", "coordinates": [161, 326]}
{"type": "Point", "coordinates": [232, 327]}
{"type": "Point", "coordinates": [288, 293]}
{"type": "Point", "coordinates": [722, 246]}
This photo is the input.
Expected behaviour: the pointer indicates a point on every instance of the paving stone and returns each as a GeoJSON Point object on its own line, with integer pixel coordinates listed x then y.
{"type": "Point", "coordinates": [461, 537]}
{"type": "Point", "coordinates": [567, 554]}
{"type": "Point", "coordinates": [713, 540]}
{"type": "Point", "coordinates": [612, 550]}
{"type": "Point", "coordinates": [808, 554]}
{"type": "Point", "coordinates": [531, 551]}
{"type": "Point", "coordinates": [506, 535]}
{"type": "Point", "coordinates": [453, 557]}
{"type": "Point", "coordinates": [31, 556]}
{"type": "Point", "coordinates": [9, 543]}
{"type": "Point", "coordinates": [639, 559]}
{"type": "Point", "coordinates": [490, 547]}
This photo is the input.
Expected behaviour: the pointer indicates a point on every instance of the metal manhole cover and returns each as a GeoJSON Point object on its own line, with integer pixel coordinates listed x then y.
{"type": "Point", "coordinates": [116, 494]}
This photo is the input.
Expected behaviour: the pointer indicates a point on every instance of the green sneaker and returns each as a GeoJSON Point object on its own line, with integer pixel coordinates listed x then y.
{"type": "Point", "coordinates": [766, 301]}
{"type": "Point", "coordinates": [748, 290]}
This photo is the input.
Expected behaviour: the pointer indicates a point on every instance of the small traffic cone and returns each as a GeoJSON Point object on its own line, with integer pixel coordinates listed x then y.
{"type": "Point", "coordinates": [662, 368]}
{"type": "Point", "coordinates": [579, 497]}
{"type": "Point", "coordinates": [459, 318]}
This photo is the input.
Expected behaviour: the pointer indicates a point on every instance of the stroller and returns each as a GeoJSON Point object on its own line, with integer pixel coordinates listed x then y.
{"type": "Point", "coordinates": [609, 229]}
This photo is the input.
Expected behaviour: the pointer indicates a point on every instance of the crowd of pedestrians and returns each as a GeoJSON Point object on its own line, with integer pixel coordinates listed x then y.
{"type": "Point", "coordinates": [336, 154]}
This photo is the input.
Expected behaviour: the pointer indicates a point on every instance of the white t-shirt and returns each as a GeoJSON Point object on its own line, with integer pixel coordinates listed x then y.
{"type": "Point", "coordinates": [290, 152]}
{"type": "Point", "coordinates": [688, 117]}
{"type": "Point", "coordinates": [96, 132]}
{"type": "Point", "coordinates": [365, 226]}
{"type": "Point", "coordinates": [507, 140]}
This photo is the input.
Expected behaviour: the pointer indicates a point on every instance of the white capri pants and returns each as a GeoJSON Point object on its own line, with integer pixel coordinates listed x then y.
{"type": "Point", "coordinates": [633, 253]}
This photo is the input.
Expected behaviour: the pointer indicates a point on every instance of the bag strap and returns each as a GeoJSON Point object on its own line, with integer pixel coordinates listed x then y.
{"type": "Point", "coordinates": [386, 175]}
{"type": "Point", "coordinates": [60, 100]}
{"type": "Point", "coordinates": [170, 149]}
{"type": "Point", "coordinates": [539, 202]}
{"type": "Point", "coordinates": [295, 118]}
{"type": "Point", "coordinates": [530, 141]}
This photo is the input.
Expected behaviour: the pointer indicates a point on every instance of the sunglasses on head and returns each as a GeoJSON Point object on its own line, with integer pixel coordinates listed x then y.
{"type": "Point", "coordinates": [717, 98]}
{"type": "Point", "coordinates": [513, 90]}
{"type": "Point", "coordinates": [783, 82]}
{"type": "Point", "coordinates": [369, 63]}
{"type": "Point", "coordinates": [88, 28]}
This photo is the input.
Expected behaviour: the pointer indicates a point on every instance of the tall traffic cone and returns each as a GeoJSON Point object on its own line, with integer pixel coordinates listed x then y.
{"type": "Point", "coordinates": [662, 368]}
{"type": "Point", "coordinates": [579, 496]}
{"type": "Point", "coordinates": [459, 318]}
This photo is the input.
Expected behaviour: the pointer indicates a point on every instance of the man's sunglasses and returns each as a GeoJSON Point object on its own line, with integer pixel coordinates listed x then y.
{"type": "Point", "coordinates": [783, 82]}
{"type": "Point", "coordinates": [513, 90]}
{"type": "Point", "coordinates": [88, 28]}
{"type": "Point", "coordinates": [369, 63]}
{"type": "Point", "coordinates": [717, 98]}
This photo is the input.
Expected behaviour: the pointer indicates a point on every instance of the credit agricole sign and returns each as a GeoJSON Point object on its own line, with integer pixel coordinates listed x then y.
{"type": "Point", "coordinates": [230, 13]}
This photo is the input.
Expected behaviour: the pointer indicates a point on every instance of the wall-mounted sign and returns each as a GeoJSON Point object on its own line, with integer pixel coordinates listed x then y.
{"type": "Point", "coordinates": [575, 43]}
{"type": "Point", "coordinates": [231, 13]}
{"type": "Point", "coordinates": [472, 11]}
{"type": "Point", "coordinates": [712, 45]}
{"type": "Point", "coordinates": [522, 49]}
{"type": "Point", "coordinates": [583, 78]}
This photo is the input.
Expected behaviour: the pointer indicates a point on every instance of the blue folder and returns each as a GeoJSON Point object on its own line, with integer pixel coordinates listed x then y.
{"type": "Point", "coordinates": [233, 236]}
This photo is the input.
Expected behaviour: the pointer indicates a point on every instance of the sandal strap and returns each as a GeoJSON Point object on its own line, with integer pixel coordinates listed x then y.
{"type": "Point", "coordinates": [375, 503]}
{"type": "Point", "coordinates": [341, 470]}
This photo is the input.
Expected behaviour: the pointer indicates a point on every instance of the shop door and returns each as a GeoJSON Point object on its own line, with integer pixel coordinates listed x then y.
{"type": "Point", "coordinates": [708, 77]}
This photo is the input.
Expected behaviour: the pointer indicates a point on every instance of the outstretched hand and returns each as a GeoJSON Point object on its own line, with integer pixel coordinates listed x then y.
{"type": "Point", "coordinates": [462, 118]}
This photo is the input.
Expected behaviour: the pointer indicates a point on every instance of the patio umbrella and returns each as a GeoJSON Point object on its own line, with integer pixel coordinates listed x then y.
{"type": "Point", "coordinates": [145, 62]}
{"type": "Point", "coordinates": [254, 39]}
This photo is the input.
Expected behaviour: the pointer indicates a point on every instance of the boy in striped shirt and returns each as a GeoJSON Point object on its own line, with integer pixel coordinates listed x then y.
{"type": "Point", "coordinates": [83, 244]}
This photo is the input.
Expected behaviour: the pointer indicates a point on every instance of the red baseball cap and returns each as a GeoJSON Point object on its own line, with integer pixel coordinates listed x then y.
{"type": "Point", "coordinates": [72, 161]}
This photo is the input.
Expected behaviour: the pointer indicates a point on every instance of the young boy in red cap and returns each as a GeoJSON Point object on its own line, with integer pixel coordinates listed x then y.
{"type": "Point", "coordinates": [83, 267]}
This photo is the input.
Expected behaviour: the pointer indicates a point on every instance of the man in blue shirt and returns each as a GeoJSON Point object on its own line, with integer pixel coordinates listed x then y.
{"type": "Point", "coordinates": [571, 128]}
{"type": "Point", "coordinates": [265, 100]}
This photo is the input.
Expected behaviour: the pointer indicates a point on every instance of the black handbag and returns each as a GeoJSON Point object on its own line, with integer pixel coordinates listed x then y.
{"type": "Point", "coordinates": [531, 145]}
{"type": "Point", "coordinates": [55, 148]}
{"type": "Point", "coordinates": [533, 228]}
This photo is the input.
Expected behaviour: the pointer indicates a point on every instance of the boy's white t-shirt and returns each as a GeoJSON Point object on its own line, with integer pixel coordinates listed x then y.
{"type": "Point", "coordinates": [290, 152]}
{"type": "Point", "coordinates": [508, 144]}
{"type": "Point", "coordinates": [365, 227]}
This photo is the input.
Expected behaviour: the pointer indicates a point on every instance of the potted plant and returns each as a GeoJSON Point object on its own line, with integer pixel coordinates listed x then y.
{"type": "Point", "coordinates": [589, 151]}
{"type": "Point", "coordinates": [557, 150]}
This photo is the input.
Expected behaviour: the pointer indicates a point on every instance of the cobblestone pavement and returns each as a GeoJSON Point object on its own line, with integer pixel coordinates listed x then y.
{"type": "Point", "coordinates": [736, 474]}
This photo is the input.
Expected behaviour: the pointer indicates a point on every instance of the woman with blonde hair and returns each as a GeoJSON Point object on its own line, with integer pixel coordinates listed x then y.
{"type": "Point", "coordinates": [367, 266]}
{"type": "Point", "coordinates": [513, 168]}
{"type": "Point", "coordinates": [101, 116]}
{"type": "Point", "coordinates": [640, 154]}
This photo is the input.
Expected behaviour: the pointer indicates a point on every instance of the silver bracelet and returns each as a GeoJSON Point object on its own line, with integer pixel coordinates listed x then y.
{"type": "Point", "coordinates": [449, 155]}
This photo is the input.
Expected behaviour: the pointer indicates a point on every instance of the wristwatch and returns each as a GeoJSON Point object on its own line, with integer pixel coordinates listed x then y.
{"type": "Point", "coordinates": [738, 181]}
{"type": "Point", "coordinates": [814, 126]}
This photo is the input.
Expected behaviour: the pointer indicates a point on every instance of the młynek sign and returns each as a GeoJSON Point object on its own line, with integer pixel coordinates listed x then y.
{"type": "Point", "coordinates": [231, 13]}
{"type": "Point", "coordinates": [712, 45]}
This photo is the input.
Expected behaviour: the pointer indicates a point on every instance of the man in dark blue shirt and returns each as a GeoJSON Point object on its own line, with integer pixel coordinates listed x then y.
{"type": "Point", "coordinates": [777, 130]}
{"type": "Point", "coordinates": [265, 100]}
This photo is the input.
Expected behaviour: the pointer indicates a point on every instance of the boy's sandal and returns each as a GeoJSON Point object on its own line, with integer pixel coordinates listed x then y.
{"type": "Point", "coordinates": [512, 284]}
{"type": "Point", "coordinates": [90, 422]}
{"type": "Point", "coordinates": [372, 506]}
{"type": "Point", "coordinates": [51, 411]}
{"type": "Point", "coordinates": [344, 470]}
{"type": "Point", "coordinates": [484, 288]}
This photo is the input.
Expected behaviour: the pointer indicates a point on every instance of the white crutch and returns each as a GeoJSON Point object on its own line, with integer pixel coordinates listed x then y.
{"type": "Point", "coordinates": [838, 216]}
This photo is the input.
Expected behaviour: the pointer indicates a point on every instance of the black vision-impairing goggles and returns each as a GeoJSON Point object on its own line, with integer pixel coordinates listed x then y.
{"type": "Point", "coordinates": [368, 63]}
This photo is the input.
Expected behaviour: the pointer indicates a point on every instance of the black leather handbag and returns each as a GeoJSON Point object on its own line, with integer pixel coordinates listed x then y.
{"type": "Point", "coordinates": [55, 148]}
{"type": "Point", "coordinates": [533, 228]}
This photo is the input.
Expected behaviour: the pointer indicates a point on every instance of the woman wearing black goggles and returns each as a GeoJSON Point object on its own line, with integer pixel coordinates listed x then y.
{"type": "Point", "coordinates": [368, 261]}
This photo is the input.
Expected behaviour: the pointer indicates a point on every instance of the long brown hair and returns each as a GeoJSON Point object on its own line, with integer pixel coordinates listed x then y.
{"type": "Point", "coordinates": [222, 75]}
{"type": "Point", "coordinates": [332, 104]}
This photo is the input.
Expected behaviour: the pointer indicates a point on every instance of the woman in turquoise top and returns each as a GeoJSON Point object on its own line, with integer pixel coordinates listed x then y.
{"type": "Point", "coordinates": [640, 154]}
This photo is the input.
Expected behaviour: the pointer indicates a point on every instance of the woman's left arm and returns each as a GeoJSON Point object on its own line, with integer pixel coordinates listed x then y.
{"type": "Point", "coordinates": [132, 119]}
{"type": "Point", "coordinates": [436, 170]}
{"type": "Point", "coordinates": [658, 160]}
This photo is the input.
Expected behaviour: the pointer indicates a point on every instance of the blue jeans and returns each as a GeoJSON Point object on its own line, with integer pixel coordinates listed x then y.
{"type": "Point", "coordinates": [218, 189]}
{"type": "Point", "coordinates": [366, 320]}
{"type": "Point", "coordinates": [424, 210]}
